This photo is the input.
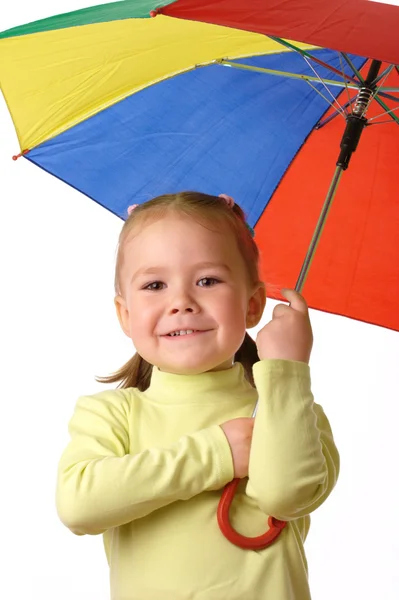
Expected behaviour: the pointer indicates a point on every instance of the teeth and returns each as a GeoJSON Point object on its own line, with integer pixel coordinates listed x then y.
{"type": "Point", "coordinates": [182, 332]}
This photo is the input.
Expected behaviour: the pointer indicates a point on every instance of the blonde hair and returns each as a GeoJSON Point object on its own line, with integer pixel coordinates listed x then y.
{"type": "Point", "coordinates": [202, 208]}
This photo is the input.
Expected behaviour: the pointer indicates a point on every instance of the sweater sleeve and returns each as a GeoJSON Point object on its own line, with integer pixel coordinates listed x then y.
{"type": "Point", "coordinates": [294, 463]}
{"type": "Point", "coordinates": [101, 486]}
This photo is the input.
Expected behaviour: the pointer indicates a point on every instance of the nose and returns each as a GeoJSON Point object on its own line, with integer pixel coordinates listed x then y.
{"type": "Point", "coordinates": [189, 309]}
{"type": "Point", "coordinates": [183, 302]}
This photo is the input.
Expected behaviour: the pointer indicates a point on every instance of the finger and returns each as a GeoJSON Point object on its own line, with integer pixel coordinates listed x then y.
{"type": "Point", "coordinates": [297, 302]}
{"type": "Point", "coordinates": [280, 310]}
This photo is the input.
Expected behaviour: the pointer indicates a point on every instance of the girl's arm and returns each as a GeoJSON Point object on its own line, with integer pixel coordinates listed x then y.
{"type": "Point", "coordinates": [101, 486]}
{"type": "Point", "coordinates": [294, 463]}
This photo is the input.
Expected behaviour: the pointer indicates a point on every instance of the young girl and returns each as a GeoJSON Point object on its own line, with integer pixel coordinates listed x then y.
{"type": "Point", "coordinates": [147, 464]}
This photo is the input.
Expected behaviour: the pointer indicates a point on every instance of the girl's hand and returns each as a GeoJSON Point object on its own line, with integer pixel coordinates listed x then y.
{"type": "Point", "coordinates": [239, 435]}
{"type": "Point", "coordinates": [289, 335]}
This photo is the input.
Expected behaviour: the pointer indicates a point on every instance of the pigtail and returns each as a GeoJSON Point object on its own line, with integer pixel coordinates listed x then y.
{"type": "Point", "coordinates": [247, 355]}
{"type": "Point", "coordinates": [135, 373]}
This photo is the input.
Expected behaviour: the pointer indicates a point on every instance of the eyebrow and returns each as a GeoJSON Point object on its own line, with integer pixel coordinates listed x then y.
{"type": "Point", "coordinates": [203, 265]}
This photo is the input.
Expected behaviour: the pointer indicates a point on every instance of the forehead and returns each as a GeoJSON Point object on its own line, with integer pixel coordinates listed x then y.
{"type": "Point", "coordinates": [178, 240]}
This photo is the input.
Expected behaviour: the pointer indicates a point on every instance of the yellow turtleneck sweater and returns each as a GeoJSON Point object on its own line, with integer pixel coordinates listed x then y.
{"type": "Point", "coordinates": [147, 469]}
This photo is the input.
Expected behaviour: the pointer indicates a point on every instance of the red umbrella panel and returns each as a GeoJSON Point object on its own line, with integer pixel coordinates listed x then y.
{"type": "Point", "coordinates": [355, 271]}
{"type": "Point", "coordinates": [363, 27]}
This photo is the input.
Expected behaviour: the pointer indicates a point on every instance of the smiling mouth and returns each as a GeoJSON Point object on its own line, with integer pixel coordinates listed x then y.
{"type": "Point", "coordinates": [184, 333]}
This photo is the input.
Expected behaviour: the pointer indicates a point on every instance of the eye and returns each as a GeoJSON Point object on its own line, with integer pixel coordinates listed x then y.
{"type": "Point", "coordinates": [154, 286]}
{"type": "Point", "coordinates": [209, 281]}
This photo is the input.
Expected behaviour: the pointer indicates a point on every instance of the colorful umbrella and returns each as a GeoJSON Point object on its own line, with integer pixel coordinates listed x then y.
{"type": "Point", "coordinates": [123, 107]}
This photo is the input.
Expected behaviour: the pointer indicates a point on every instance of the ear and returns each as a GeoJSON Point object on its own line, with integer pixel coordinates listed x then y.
{"type": "Point", "coordinates": [256, 305]}
{"type": "Point", "coordinates": [122, 314]}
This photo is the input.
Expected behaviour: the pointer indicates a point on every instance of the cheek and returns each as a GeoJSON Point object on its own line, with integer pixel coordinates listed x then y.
{"type": "Point", "coordinates": [142, 313]}
{"type": "Point", "coordinates": [235, 303]}
{"type": "Point", "coordinates": [140, 332]}
{"type": "Point", "coordinates": [232, 314]}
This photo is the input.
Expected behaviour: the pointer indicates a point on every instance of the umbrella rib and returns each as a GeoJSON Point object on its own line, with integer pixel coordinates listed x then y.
{"type": "Point", "coordinates": [383, 78]}
{"type": "Point", "coordinates": [352, 66]}
{"type": "Point", "coordinates": [317, 60]}
{"type": "Point", "coordinates": [388, 96]}
{"type": "Point", "coordinates": [338, 111]}
{"type": "Point", "coordinates": [387, 112]}
{"type": "Point", "coordinates": [384, 74]}
{"type": "Point", "coordinates": [380, 123]}
{"type": "Point", "coordinates": [341, 110]}
{"type": "Point", "coordinates": [324, 122]}
{"type": "Point", "coordinates": [349, 103]}
{"type": "Point", "coordinates": [227, 63]}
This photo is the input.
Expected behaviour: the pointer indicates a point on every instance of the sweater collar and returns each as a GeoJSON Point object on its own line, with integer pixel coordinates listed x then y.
{"type": "Point", "coordinates": [212, 386]}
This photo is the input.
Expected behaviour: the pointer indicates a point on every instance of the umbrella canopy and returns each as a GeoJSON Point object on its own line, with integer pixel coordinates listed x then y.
{"type": "Point", "coordinates": [124, 107]}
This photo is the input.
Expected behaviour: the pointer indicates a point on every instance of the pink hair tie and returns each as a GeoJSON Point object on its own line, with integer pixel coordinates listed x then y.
{"type": "Point", "coordinates": [131, 208]}
{"type": "Point", "coordinates": [230, 203]}
{"type": "Point", "coordinates": [228, 199]}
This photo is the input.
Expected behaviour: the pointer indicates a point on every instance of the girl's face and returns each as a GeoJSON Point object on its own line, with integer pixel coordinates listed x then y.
{"type": "Point", "coordinates": [178, 275]}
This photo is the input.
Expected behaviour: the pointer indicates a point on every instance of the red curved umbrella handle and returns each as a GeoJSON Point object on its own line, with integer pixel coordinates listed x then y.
{"type": "Point", "coordinates": [247, 543]}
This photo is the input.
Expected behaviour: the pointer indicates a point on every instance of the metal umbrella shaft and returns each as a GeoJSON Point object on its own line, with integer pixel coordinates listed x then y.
{"type": "Point", "coordinates": [319, 229]}
{"type": "Point", "coordinates": [355, 124]}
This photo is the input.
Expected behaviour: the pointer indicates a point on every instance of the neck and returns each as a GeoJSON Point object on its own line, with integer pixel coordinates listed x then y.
{"type": "Point", "coordinates": [219, 385]}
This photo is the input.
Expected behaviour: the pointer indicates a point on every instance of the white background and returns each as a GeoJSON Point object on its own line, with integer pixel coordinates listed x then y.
{"type": "Point", "coordinates": [58, 330]}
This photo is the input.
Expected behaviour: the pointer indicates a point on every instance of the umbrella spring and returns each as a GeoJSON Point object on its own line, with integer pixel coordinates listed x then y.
{"type": "Point", "coordinates": [363, 101]}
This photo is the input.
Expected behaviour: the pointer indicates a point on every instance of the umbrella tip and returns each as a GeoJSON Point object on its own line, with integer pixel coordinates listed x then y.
{"type": "Point", "coordinates": [155, 12]}
{"type": "Point", "coordinates": [17, 156]}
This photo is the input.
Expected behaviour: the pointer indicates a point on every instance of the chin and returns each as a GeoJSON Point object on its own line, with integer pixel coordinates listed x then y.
{"type": "Point", "coordinates": [195, 368]}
